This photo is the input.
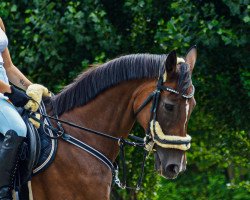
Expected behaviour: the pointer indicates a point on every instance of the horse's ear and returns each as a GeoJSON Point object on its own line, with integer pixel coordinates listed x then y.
{"type": "Point", "coordinates": [191, 57]}
{"type": "Point", "coordinates": [170, 62]}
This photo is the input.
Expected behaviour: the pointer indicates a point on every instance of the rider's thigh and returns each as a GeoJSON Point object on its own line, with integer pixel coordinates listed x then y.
{"type": "Point", "coordinates": [10, 119]}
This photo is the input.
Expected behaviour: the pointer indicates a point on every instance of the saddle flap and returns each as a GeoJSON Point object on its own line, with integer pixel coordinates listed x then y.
{"type": "Point", "coordinates": [30, 154]}
{"type": "Point", "coordinates": [41, 149]}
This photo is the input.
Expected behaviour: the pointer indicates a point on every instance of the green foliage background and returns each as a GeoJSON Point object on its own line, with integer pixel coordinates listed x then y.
{"type": "Point", "coordinates": [53, 41]}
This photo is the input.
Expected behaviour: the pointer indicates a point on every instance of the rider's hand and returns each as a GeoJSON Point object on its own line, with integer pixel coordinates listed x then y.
{"type": "Point", "coordinates": [17, 97]}
{"type": "Point", "coordinates": [36, 92]}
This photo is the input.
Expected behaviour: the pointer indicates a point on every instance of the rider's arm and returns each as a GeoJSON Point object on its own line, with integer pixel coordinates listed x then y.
{"type": "Point", "coordinates": [4, 87]}
{"type": "Point", "coordinates": [15, 76]}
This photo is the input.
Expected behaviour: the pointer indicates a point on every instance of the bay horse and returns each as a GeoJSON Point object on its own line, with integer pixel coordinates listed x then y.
{"type": "Point", "coordinates": [111, 98]}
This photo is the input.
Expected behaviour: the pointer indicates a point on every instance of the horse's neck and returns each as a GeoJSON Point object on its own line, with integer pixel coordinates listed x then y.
{"type": "Point", "coordinates": [110, 112]}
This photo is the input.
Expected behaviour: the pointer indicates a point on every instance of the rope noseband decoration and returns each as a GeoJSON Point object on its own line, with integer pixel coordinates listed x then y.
{"type": "Point", "coordinates": [154, 134]}
{"type": "Point", "coordinates": [169, 141]}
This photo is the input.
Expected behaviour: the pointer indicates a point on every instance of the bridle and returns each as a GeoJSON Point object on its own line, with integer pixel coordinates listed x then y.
{"type": "Point", "coordinates": [153, 136]}
{"type": "Point", "coordinates": [154, 133]}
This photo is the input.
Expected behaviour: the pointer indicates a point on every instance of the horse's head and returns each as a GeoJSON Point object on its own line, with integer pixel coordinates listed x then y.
{"type": "Point", "coordinates": [167, 126]}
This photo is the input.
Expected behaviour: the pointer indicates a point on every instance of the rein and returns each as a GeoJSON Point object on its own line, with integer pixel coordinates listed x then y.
{"type": "Point", "coordinates": [154, 135]}
{"type": "Point", "coordinates": [60, 133]}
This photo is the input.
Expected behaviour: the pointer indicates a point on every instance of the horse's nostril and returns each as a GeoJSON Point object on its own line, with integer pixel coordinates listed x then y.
{"type": "Point", "coordinates": [172, 168]}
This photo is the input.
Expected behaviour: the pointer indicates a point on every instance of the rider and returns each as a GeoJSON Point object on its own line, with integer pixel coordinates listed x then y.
{"type": "Point", "coordinates": [12, 126]}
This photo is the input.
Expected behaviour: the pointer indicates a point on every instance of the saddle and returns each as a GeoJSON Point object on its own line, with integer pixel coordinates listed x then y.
{"type": "Point", "coordinates": [37, 152]}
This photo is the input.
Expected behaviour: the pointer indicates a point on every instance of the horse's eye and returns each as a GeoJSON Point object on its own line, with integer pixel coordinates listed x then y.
{"type": "Point", "coordinates": [169, 107]}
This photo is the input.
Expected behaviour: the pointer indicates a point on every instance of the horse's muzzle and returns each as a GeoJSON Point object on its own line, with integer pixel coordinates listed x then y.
{"type": "Point", "coordinates": [169, 162]}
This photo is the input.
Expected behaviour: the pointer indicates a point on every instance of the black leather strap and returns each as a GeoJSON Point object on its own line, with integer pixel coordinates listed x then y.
{"type": "Point", "coordinates": [89, 149]}
{"type": "Point", "coordinates": [149, 98]}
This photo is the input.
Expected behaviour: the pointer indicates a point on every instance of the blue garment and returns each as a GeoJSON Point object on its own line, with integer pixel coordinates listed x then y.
{"type": "Point", "coordinates": [3, 43]}
{"type": "Point", "coordinates": [3, 75]}
{"type": "Point", "coordinates": [9, 117]}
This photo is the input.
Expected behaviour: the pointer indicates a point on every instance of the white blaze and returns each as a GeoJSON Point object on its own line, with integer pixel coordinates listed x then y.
{"type": "Point", "coordinates": [187, 110]}
{"type": "Point", "coordinates": [182, 161]}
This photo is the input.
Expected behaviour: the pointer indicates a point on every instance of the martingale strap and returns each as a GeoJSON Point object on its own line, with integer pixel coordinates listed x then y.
{"type": "Point", "coordinates": [60, 133]}
{"type": "Point", "coordinates": [89, 149]}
